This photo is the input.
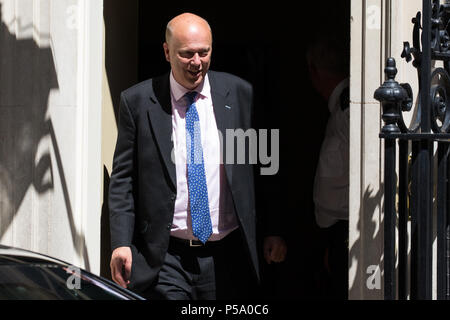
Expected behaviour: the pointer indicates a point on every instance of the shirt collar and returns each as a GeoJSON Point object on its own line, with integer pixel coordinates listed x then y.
{"type": "Point", "coordinates": [178, 91]}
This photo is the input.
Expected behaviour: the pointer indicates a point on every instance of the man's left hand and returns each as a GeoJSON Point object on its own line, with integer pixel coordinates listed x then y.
{"type": "Point", "coordinates": [274, 249]}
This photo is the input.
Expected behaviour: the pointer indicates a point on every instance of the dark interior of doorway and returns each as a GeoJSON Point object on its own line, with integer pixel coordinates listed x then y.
{"type": "Point", "coordinates": [265, 44]}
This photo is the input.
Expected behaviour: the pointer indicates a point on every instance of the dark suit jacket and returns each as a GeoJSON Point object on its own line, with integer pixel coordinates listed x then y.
{"type": "Point", "coordinates": [142, 190]}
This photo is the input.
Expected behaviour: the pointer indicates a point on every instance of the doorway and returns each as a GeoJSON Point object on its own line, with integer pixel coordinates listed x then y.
{"type": "Point", "coordinates": [266, 46]}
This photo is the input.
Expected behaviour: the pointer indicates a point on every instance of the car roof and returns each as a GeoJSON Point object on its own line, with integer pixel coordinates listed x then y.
{"type": "Point", "coordinates": [17, 256]}
{"type": "Point", "coordinates": [12, 255]}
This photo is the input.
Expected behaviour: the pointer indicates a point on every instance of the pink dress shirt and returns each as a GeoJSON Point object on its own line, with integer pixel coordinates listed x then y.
{"type": "Point", "coordinates": [223, 216]}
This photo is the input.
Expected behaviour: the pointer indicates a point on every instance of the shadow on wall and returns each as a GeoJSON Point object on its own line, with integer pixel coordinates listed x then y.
{"type": "Point", "coordinates": [105, 236]}
{"type": "Point", "coordinates": [27, 74]}
{"type": "Point", "coordinates": [369, 233]}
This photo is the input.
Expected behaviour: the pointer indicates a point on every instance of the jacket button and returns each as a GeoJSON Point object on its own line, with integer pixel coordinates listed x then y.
{"type": "Point", "coordinates": [173, 197]}
{"type": "Point", "coordinates": [169, 226]}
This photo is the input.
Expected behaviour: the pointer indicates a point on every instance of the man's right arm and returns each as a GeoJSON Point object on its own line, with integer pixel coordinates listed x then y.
{"type": "Point", "coordinates": [120, 265]}
{"type": "Point", "coordinates": [121, 198]}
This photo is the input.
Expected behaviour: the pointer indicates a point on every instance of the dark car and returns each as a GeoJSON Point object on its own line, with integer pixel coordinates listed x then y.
{"type": "Point", "coordinates": [26, 275]}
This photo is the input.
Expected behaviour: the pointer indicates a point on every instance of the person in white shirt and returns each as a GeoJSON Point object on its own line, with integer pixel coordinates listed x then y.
{"type": "Point", "coordinates": [328, 62]}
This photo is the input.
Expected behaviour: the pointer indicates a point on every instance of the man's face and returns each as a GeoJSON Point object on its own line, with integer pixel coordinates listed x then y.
{"type": "Point", "coordinates": [189, 53]}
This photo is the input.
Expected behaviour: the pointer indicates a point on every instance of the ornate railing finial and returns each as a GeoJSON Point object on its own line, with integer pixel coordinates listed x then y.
{"type": "Point", "coordinates": [392, 97]}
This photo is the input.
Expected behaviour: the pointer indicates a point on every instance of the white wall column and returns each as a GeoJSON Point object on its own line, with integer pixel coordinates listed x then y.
{"type": "Point", "coordinates": [50, 127]}
{"type": "Point", "coordinates": [365, 240]}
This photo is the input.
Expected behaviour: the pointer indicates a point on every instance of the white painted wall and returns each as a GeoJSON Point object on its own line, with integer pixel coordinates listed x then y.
{"type": "Point", "coordinates": [50, 127]}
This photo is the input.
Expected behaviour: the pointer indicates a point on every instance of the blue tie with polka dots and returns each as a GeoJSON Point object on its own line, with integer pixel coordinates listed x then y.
{"type": "Point", "coordinates": [198, 191]}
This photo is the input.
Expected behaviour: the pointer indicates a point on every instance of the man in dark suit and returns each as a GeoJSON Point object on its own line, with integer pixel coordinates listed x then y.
{"type": "Point", "coordinates": [183, 220]}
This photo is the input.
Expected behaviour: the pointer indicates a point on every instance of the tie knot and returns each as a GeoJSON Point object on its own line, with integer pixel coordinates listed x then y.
{"type": "Point", "coordinates": [191, 96]}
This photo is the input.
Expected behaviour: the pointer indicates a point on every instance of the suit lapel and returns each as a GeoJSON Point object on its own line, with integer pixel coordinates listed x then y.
{"type": "Point", "coordinates": [160, 117]}
{"type": "Point", "coordinates": [223, 112]}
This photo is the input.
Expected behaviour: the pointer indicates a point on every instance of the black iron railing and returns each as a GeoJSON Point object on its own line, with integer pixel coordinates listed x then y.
{"type": "Point", "coordinates": [423, 184]}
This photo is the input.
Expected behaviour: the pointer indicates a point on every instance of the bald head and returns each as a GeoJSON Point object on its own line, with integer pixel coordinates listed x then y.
{"type": "Point", "coordinates": [186, 23]}
{"type": "Point", "coordinates": [188, 49]}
